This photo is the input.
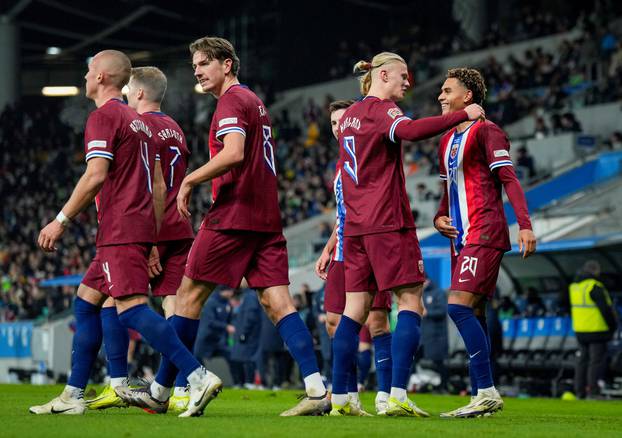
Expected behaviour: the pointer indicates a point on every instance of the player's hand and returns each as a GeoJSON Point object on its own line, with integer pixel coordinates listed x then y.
{"type": "Point", "coordinates": [322, 264]}
{"type": "Point", "coordinates": [444, 226]}
{"type": "Point", "coordinates": [230, 329]}
{"type": "Point", "coordinates": [49, 235]}
{"type": "Point", "coordinates": [155, 268]}
{"type": "Point", "coordinates": [526, 242]}
{"type": "Point", "coordinates": [475, 112]}
{"type": "Point", "coordinates": [183, 199]}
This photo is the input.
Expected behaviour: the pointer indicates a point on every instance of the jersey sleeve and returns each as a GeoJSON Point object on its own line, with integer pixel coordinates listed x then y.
{"type": "Point", "coordinates": [442, 170]}
{"type": "Point", "coordinates": [496, 147]}
{"type": "Point", "coordinates": [99, 136]}
{"type": "Point", "coordinates": [388, 117]}
{"type": "Point", "coordinates": [231, 116]}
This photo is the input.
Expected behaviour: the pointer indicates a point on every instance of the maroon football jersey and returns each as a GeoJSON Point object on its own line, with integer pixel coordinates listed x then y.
{"type": "Point", "coordinates": [172, 152]}
{"type": "Point", "coordinates": [125, 202]}
{"type": "Point", "coordinates": [372, 172]}
{"type": "Point", "coordinates": [245, 198]}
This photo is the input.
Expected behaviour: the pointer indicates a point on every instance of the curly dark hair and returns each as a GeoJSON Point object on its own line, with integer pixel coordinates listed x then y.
{"type": "Point", "coordinates": [472, 79]}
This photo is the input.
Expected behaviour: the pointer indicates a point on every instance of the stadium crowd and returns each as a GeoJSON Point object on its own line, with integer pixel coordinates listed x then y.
{"type": "Point", "coordinates": [42, 156]}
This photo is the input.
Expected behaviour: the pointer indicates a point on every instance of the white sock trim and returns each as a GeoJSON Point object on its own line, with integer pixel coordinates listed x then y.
{"type": "Point", "coordinates": [159, 392]}
{"type": "Point", "coordinates": [339, 399]}
{"type": "Point", "coordinates": [382, 396]}
{"type": "Point", "coordinates": [399, 393]}
{"type": "Point", "coordinates": [180, 391]}
{"type": "Point", "coordinates": [74, 392]}
{"type": "Point", "coordinates": [314, 385]}
{"type": "Point", "coordinates": [118, 381]}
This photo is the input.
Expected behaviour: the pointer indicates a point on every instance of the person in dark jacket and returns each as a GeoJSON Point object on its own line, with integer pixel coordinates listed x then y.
{"type": "Point", "coordinates": [594, 321]}
{"type": "Point", "coordinates": [434, 337]}
{"type": "Point", "coordinates": [215, 326]}
{"type": "Point", "coordinates": [246, 337]}
{"type": "Point", "coordinates": [325, 342]}
{"type": "Point", "coordinates": [274, 358]}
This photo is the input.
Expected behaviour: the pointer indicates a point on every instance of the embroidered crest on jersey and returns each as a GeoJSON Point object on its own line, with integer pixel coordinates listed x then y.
{"type": "Point", "coordinates": [454, 150]}
{"type": "Point", "coordinates": [228, 121]}
{"type": "Point", "coordinates": [395, 112]}
{"type": "Point", "coordinates": [421, 266]}
{"type": "Point", "coordinates": [501, 153]}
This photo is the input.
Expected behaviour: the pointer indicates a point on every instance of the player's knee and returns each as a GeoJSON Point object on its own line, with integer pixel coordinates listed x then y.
{"type": "Point", "coordinates": [190, 297]}
{"type": "Point", "coordinates": [378, 323]}
{"type": "Point", "coordinates": [379, 330]}
{"type": "Point", "coordinates": [331, 326]}
{"type": "Point", "coordinates": [277, 303]}
{"type": "Point", "coordinates": [168, 306]}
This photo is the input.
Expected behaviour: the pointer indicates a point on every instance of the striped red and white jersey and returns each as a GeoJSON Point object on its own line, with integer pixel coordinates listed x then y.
{"type": "Point", "coordinates": [467, 162]}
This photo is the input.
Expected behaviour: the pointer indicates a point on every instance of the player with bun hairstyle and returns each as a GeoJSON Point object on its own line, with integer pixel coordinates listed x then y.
{"type": "Point", "coordinates": [381, 248]}
{"type": "Point", "coordinates": [329, 267]}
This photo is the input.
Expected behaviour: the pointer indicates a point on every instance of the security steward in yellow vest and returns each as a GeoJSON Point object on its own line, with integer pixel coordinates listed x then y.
{"type": "Point", "coordinates": [594, 321]}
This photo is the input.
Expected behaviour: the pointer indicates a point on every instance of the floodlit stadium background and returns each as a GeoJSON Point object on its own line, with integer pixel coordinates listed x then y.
{"type": "Point", "coordinates": [554, 76]}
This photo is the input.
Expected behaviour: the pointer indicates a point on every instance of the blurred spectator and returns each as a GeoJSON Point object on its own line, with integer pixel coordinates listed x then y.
{"type": "Point", "coordinates": [275, 359]}
{"type": "Point", "coordinates": [495, 335]}
{"type": "Point", "coordinates": [569, 123]}
{"type": "Point", "coordinates": [615, 66]}
{"type": "Point", "coordinates": [540, 130]}
{"type": "Point", "coordinates": [246, 337]}
{"type": "Point", "coordinates": [615, 140]}
{"type": "Point", "coordinates": [215, 326]}
{"type": "Point", "coordinates": [507, 308]}
{"type": "Point", "coordinates": [434, 337]}
{"type": "Point", "coordinates": [324, 339]}
{"type": "Point", "coordinates": [525, 161]}
{"type": "Point", "coordinates": [422, 193]}
{"type": "Point", "coordinates": [534, 306]}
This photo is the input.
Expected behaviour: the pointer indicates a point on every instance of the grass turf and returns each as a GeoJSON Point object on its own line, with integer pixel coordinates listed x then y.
{"type": "Point", "coordinates": [255, 413]}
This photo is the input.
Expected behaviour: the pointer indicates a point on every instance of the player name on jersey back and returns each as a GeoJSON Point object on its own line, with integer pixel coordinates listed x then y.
{"type": "Point", "coordinates": [372, 172]}
{"type": "Point", "coordinates": [125, 213]}
{"type": "Point", "coordinates": [173, 154]}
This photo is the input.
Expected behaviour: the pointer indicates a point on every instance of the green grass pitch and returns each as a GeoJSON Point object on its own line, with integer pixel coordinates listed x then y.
{"type": "Point", "coordinates": [255, 413]}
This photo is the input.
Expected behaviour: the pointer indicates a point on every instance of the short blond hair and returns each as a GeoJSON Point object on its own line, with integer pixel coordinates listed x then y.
{"type": "Point", "coordinates": [364, 68]}
{"type": "Point", "coordinates": [152, 81]}
{"type": "Point", "coordinates": [217, 48]}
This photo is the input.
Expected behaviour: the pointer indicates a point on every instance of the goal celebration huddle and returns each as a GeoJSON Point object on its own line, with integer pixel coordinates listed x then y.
{"type": "Point", "coordinates": [137, 174]}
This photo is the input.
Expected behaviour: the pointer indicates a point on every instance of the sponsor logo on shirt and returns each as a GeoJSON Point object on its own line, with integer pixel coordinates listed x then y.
{"type": "Point", "coordinates": [100, 144]}
{"type": "Point", "coordinates": [395, 112]}
{"type": "Point", "coordinates": [228, 121]}
{"type": "Point", "coordinates": [501, 153]}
